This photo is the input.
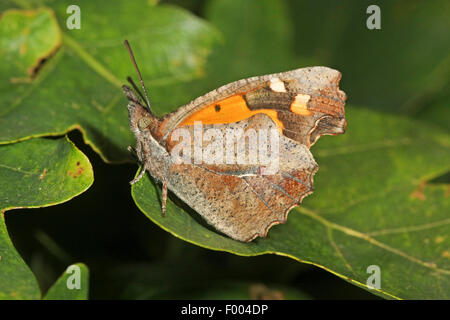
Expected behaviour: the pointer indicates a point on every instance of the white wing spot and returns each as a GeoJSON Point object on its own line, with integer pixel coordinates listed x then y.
{"type": "Point", "coordinates": [302, 98]}
{"type": "Point", "coordinates": [277, 85]}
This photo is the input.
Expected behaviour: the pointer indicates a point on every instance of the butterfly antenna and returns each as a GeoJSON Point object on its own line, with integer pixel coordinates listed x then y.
{"type": "Point", "coordinates": [139, 74]}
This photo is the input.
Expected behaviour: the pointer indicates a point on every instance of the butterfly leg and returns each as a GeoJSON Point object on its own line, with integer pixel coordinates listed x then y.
{"type": "Point", "coordinates": [164, 197]}
{"type": "Point", "coordinates": [144, 158]}
{"type": "Point", "coordinates": [141, 174]}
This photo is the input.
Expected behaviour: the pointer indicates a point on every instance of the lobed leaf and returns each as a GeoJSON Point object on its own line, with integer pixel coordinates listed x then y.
{"type": "Point", "coordinates": [78, 84]}
{"type": "Point", "coordinates": [35, 173]}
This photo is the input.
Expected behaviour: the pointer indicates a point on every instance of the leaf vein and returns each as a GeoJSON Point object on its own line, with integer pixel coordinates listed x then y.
{"type": "Point", "coordinates": [410, 228]}
{"type": "Point", "coordinates": [371, 240]}
{"type": "Point", "coordinates": [17, 169]}
{"type": "Point", "coordinates": [338, 250]}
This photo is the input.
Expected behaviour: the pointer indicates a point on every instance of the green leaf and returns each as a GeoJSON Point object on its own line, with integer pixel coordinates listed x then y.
{"type": "Point", "coordinates": [79, 84]}
{"type": "Point", "coordinates": [35, 173]}
{"type": "Point", "coordinates": [438, 112]}
{"type": "Point", "coordinates": [64, 289]}
{"type": "Point", "coordinates": [371, 206]}
{"type": "Point", "coordinates": [27, 37]}
{"type": "Point", "coordinates": [18, 282]}
{"type": "Point", "coordinates": [42, 172]}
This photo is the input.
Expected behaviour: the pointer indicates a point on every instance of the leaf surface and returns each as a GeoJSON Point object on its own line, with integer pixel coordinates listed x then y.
{"type": "Point", "coordinates": [69, 288]}
{"type": "Point", "coordinates": [81, 71]}
{"type": "Point", "coordinates": [35, 173]}
{"type": "Point", "coordinates": [371, 206]}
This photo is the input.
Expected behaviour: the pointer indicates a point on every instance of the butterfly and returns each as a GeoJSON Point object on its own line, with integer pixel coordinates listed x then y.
{"type": "Point", "coordinates": [242, 199]}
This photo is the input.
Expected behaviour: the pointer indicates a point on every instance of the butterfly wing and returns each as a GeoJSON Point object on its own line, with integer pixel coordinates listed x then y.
{"type": "Point", "coordinates": [240, 199]}
{"type": "Point", "coordinates": [304, 103]}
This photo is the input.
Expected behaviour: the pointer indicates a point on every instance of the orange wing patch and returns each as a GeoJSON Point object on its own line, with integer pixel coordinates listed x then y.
{"type": "Point", "coordinates": [299, 106]}
{"type": "Point", "coordinates": [229, 110]}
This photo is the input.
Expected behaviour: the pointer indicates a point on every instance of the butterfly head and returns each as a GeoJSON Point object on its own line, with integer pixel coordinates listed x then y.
{"type": "Point", "coordinates": [140, 114]}
{"type": "Point", "coordinates": [140, 117]}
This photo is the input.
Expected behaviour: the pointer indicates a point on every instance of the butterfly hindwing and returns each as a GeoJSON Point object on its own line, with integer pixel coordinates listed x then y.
{"type": "Point", "coordinates": [239, 199]}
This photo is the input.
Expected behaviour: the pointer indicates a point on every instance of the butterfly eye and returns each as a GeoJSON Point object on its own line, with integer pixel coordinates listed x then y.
{"type": "Point", "coordinates": [143, 123]}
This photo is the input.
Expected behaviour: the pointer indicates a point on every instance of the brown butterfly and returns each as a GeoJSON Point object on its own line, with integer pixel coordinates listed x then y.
{"type": "Point", "coordinates": [242, 199]}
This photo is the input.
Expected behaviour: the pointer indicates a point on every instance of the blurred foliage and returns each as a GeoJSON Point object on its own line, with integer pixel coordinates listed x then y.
{"type": "Point", "coordinates": [404, 69]}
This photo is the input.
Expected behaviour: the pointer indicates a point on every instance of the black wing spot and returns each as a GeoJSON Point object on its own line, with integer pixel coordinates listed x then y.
{"type": "Point", "coordinates": [217, 108]}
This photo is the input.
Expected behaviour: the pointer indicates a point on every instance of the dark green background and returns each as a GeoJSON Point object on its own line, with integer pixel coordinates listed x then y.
{"type": "Point", "coordinates": [404, 68]}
